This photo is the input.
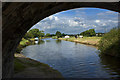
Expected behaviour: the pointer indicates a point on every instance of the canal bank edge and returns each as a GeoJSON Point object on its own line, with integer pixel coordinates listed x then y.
{"type": "Point", "coordinates": [92, 44]}
{"type": "Point", "coordinates": [84, 42]}
{"type": "Point", "coordinates": [21, 63]}
{"type": "Point", "coordinates": [29, 68]}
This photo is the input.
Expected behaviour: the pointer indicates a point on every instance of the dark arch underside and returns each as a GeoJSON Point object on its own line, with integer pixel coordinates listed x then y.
{"type": "Point", "coordinates": [18, 17]}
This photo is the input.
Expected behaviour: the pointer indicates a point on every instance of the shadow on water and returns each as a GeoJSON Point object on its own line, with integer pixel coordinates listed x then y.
{"type": "Point", "coordinates": [47, 40]}
{"type": "Point", "coordinates": [41, 42]}
{"type": "Point", "coordinates": [111, 64]}
{"type": "Point", "coordinates": [58, 41]}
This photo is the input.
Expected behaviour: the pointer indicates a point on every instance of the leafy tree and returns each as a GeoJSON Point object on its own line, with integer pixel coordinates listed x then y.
{"type": "Point", "coordinates": [63, 34]}
{"type": "Point", "coordinates": [28, 35]}
{"type": "Point", "coordinates": [48, 35]}
{"type": "Point", "coordinates": [52, 35]}
{"type": "Point", "coordinates": [58, 34]}
{"type": "Point", "coordinates": [41, 34]}
{"type": "Point", "coordinates": [90, 32]}
{"type": "Point", "coordinates": [110, 43]}
{"type": "Point", "coordinates": [34, 33]}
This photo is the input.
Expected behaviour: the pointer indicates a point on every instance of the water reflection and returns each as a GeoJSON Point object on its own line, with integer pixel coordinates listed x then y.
{"type": "Point", "coordinates": [74, 60]}
{"type": "Point", "coordinates": [41, 42]}
{"type": "Point", "coordinates": [47, 40]}
{"type": "Point", "coordinates": [58, 41]}
{"type": "Point", "coordinates": [111, 65]}
{"type": "Point", "coordinates": [36, 42]}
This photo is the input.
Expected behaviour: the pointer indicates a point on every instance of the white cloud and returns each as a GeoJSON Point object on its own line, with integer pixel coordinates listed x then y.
{"type": "Point", "coordinates": [56, 18]}
{"type": "Point", "coordinates": [103, 24]}
{"type": "Point", "coordinates": [107, 13]}
{"type": "Point", "coordinates": [94, 26]}
{"type": "Point", "coordinates": [53, 18]}
{"type": "Point", "coordinates": [115, 21]}
{"type": "Point", "coordinates": [97, 21]}
{"type": "Point", "coordinates": [50, 17]}
{"type": "Point", "coordinates": [72, 23]}
{"type": "Point", "coordinates": [77, 23]}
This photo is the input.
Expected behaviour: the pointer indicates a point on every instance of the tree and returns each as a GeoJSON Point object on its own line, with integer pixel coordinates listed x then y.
{"type": "Point", "coordinates": [28, 35]}
{"type": "Point", "coordinates": [110, 43]}
{"type": "Point", "coordinates": [63, 34]}
{"type": "Point", "coordinates": [58, 34]}
{"type": "Point", "coordinates": [52, 35]}
{"type": "Point", "coordinates": [34, 33]}
{"type": "Point", "coordinates": [90, 32]}
{"type": "Point", "coordinates": [41, 34]}
{"type": "Point", "coordinates": [48, 35]}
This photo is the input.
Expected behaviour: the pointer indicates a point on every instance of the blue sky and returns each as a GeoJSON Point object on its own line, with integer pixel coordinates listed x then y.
{"type": "Point", "coordinates": [77, 20]}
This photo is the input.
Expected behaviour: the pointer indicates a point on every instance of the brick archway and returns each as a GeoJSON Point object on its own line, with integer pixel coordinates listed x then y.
{"type": "Point", "coordinates": [20, 17]}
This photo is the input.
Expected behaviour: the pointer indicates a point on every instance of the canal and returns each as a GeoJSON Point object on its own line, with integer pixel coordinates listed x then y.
{"type": "Point", "coordinates": [74, 60]}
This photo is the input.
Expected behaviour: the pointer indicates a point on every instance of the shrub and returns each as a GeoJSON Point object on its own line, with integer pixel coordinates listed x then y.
{"type": "Point", "coordinates": [109, 43]}
{"type": "Point", "coordinates": [54, 37]}
{"type": "Point", "coordinates": [23, 44]}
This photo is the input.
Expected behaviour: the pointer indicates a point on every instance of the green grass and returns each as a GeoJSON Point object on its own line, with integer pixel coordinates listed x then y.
{"type": "Point", "coordinates": [18, 66]}
{"type": "Point", "coordinates": [21, 64]}
{"type": "Point", "coordinates": [54, 37]}
{"type": "Point", "coordinates": [23, 41]}
{"type": "Point", "coordinates": [87, 40]}
{"type": "Point", "coordinates": [84, 38]}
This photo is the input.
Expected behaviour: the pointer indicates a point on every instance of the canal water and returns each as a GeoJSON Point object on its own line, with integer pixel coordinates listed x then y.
{"type": "Point", "coordinates": [74, 60]}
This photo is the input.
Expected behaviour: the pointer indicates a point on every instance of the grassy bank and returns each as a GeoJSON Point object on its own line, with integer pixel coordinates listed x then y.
{"type": "Point", "coordinates": [23, 43]}
{"type": "Point", "coordinates": [28, 68]}
{"type": "Point", "coordinates": [94, 41]}
{"type": "Point", "coordinates": [109, 44]}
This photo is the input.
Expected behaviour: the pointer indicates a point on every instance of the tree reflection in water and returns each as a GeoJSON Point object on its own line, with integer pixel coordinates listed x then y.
{"type": "Point", "coordinates": [111, 64]}
{"type": "Point", "coordinates": [58, 41]}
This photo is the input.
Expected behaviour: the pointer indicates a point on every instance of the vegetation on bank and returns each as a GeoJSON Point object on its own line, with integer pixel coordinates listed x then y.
{"type": "Point", "coordinates": [110, 43]}
{"type": "Point", "coordinates": [85, 40]}
{"type": "Point", "coordinates": [22, 64]}
{"type": "Point", "coordinates": [23, 43]}
{"type": "Point", "coordinates": [88, 33]}
{"type": "Point", "coordinates": [34, 33]}
{"type": "Point", "coordinates": [23, 67]}
{"type": "Point", "coordinates": [28, 38]}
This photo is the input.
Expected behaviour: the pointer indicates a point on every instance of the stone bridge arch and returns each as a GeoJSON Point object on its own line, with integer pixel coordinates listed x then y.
{"type": "Point", "coordinates": [20, 17]}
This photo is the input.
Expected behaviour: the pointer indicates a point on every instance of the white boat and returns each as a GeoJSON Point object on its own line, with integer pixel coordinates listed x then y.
{"type": "Point", "coordinates": [36, 40]}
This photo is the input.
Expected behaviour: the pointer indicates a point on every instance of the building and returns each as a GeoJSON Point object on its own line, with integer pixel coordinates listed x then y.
{"type": "Point", "coordinates": [81, 36]}
{"type": "Point", "coordinates": [67, 36]}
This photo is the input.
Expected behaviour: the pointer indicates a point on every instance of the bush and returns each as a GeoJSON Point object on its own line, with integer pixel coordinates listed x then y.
{"type": "Point", "coordinates": [109, 43]}
{"type": "Point", "coordinates": [22, 44]}
{"type": "Point", "coordinates": [54, 37]}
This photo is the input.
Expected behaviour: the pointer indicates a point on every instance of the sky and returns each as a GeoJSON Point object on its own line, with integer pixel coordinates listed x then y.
{"type": "Point", "coordinates": [77, 20]}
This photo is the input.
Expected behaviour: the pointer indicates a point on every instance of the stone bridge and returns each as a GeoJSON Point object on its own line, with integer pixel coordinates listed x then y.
{"type": "Point", "coordinates": [18, 17]}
